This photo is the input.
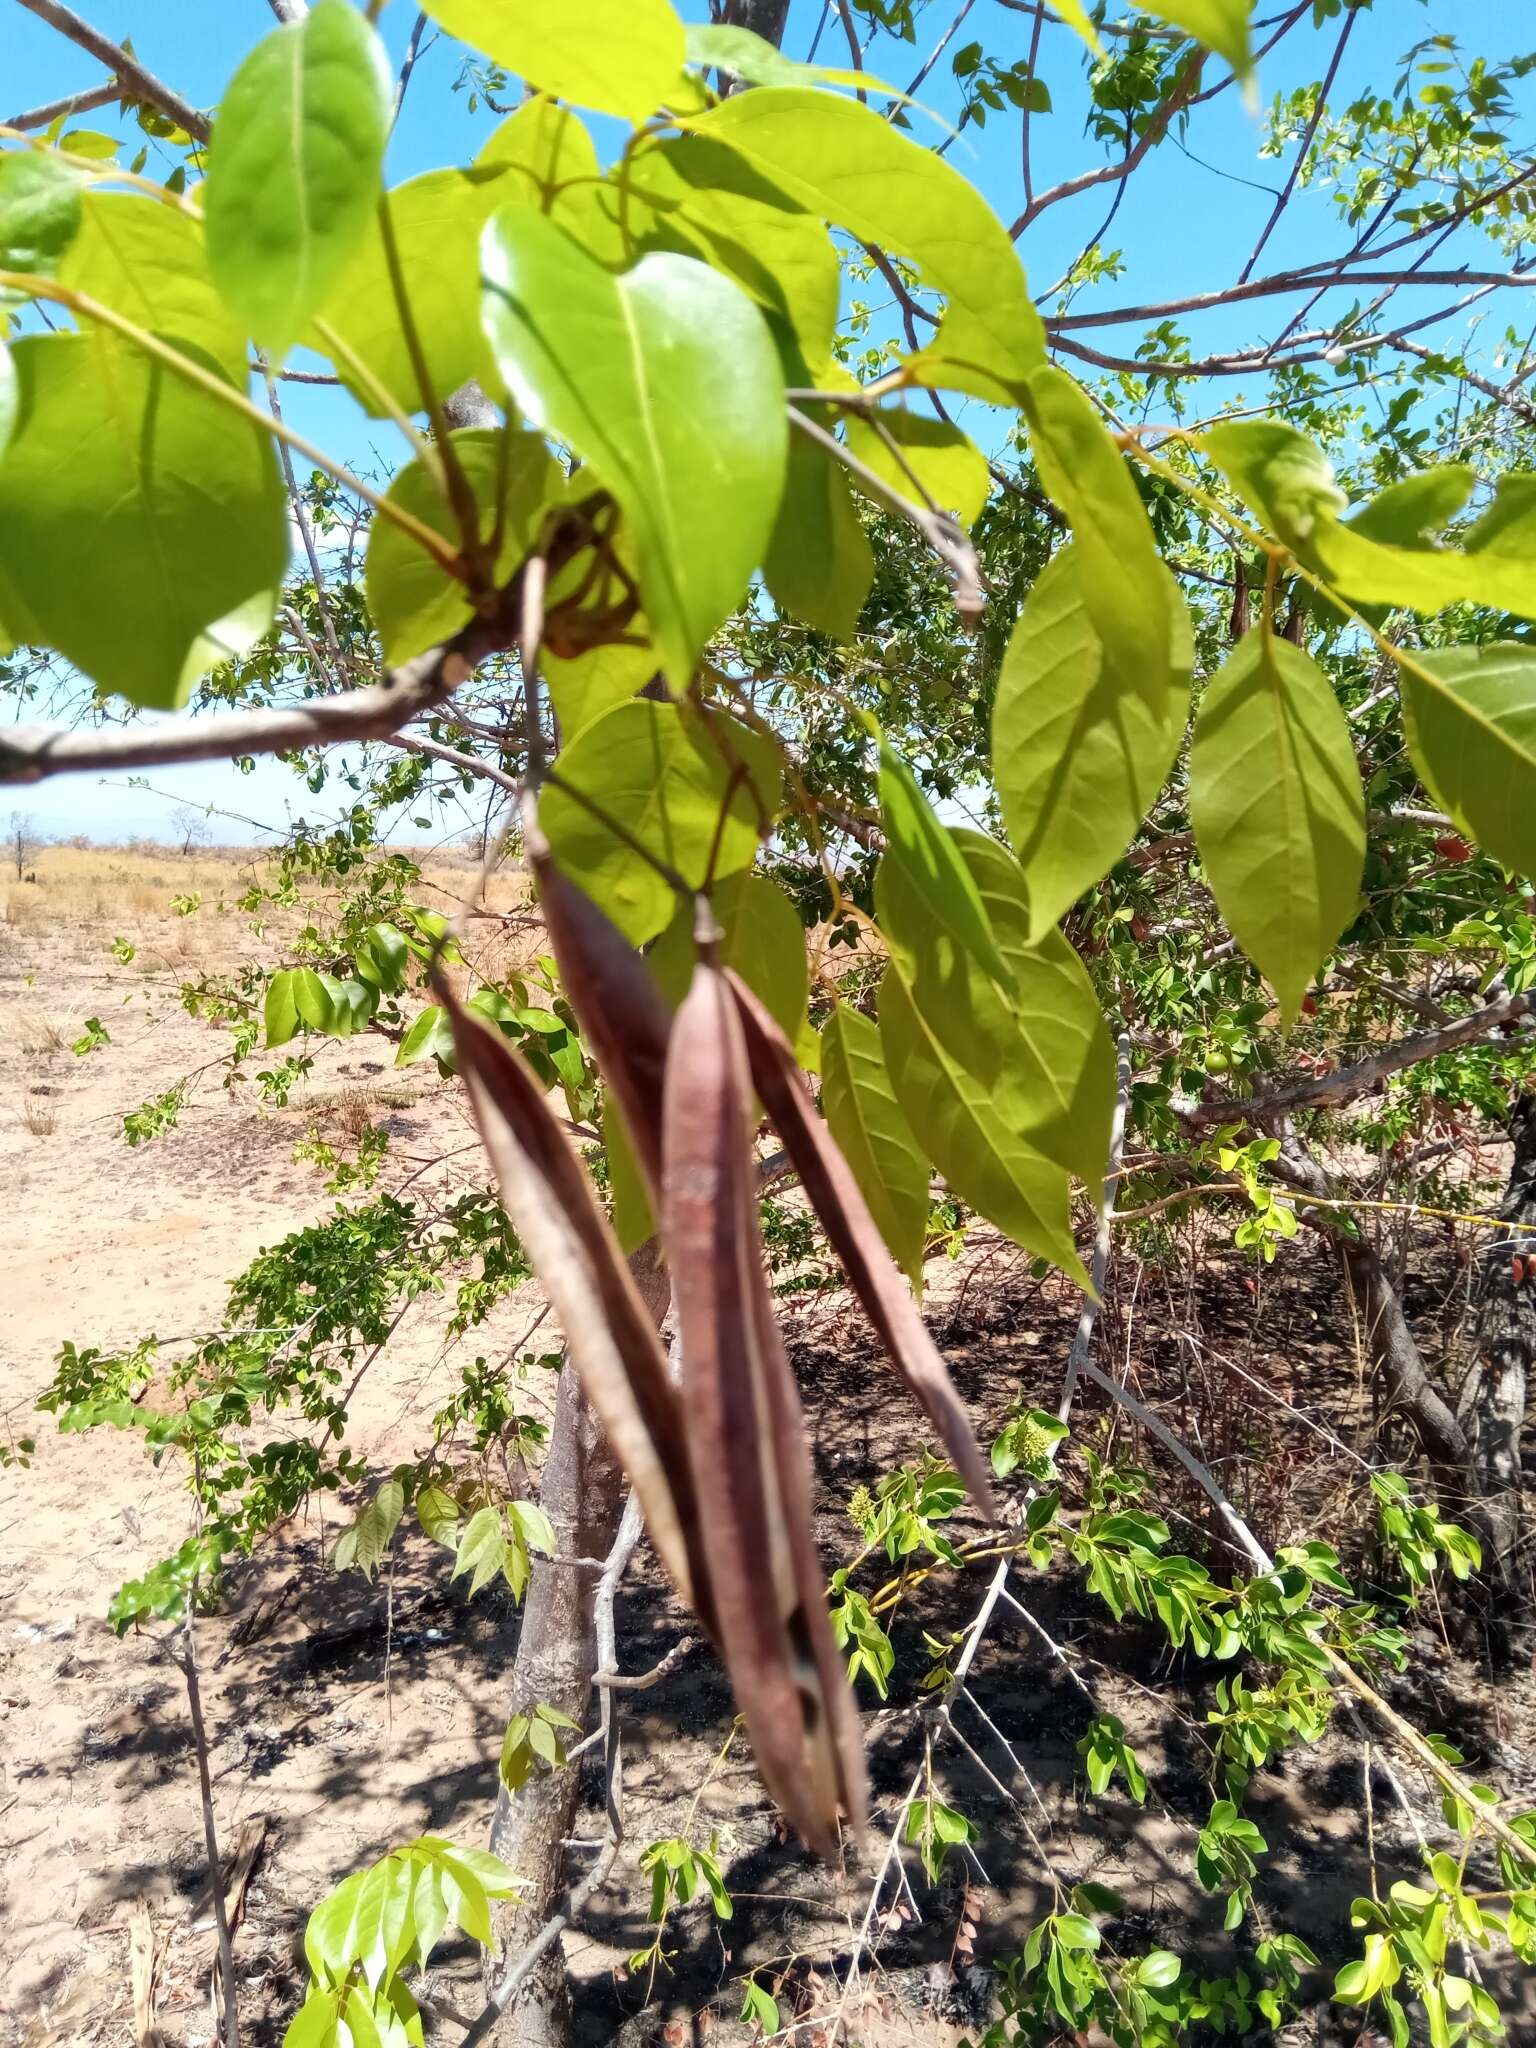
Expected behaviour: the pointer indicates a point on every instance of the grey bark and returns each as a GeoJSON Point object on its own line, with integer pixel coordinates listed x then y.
{"type": "Point", "coordinates": [582, 1490]}
{"type": "Point", "coordinates": [1493, 1405]}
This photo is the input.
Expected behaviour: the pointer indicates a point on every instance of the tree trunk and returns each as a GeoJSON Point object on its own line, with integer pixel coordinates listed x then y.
{"type": "Point", "coordinates": [582, 1490]}
{"type": "Point", "coordinates": [1494, 1404]}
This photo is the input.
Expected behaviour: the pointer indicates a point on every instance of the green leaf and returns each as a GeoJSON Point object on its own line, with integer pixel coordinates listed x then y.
{"type": "Point", "coordinates": [843, 162]}
{"type": "Point", "coordinates": [438, 1513]}
{"type": "Point", "coordinates": [1062, 1055]}
{"type": "Point", "coordinates": [171, 497]}
{"type": "Point", "coordinates": [437, 219]}
{"type": "Point", "coordinates": [547, 142]}
{"type": "Point", "coordinates": [931, 865]}
{"type": "Point", "coordinates": [1278, 811]}
{"type": "Point", "coordinates": [594, 682]}
{"type": "Point", "coordinates": [430, 1037]}
{"type": "Point", "coordinates": [1039, 1050]}
{"type": "Point", "coordinates": [866, 1120]}
{"type": "Point", "coordinates": [1076, 16]}
{"type": "Point", "coordinates": [715, 46]}
{"type": "Point", "coordinates": [667, 380]}
{"type": "Point", "coordinates": [294, 167]}
{"type": "Point", "coordinates": [1281, 473]}
{"type": "Point", "coordinates": [1080, 746]}
{"type": "Point", "coordinates": [762, 938]}
{"type": "Point", "coordinates": [633, 1222]}
{"type": "Point", "coordinates": [931, 455]}
{"type": "Point", "coordinates": [414, 601]}
{"type": "Point", "coordinates": [282, 1012]}
{"type": "Point", "coordinates": [39, 212]}
{"type": "Point", "coordinates": [620, 57]}
{"type": "Point", "coordinates": [482, 1552]}
{"type": "Point", "coordinates": [1470, 714]}
{"type": "Point", "coordinates": [702, 195]}
{"type": "Point", "coordinates": [996, 1173]}
{"type": "Point", "coordinates": [1133, 605]}
{"type": "Point", "coordinates": [1495, 566]}
{"type": "Point", "coordinates": [819, 565]}
{"type": "Point", "coordinates": [1222, 25]}
{"type": "Point", "coordinates": [659, 772]}
{"type": "Point", "coordinates": [149, 263]}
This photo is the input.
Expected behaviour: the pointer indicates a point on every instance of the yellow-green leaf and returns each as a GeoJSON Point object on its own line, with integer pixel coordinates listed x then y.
{"type": "Point", "coordinates": [761, 937]}
{"type": "Point", "coordinates": [998, 1174]}
{"type": "Point", "coordinates": [172, 499]}
{"type": "Point", "coordinates": [1471, 724]}
{"type": "Point", "coordinates": [843, 162]}
{"type": "Point", "coordinates": [618, 56]}
{"type": "Point", "coordinates": [437, 219]}
{"type": "Point", "coordinates": [294, 167]}
{"type": "Point", "coordinates": [667, 380]}
{"type": "Point", "coordinates": [149, 263]}
{"type": "Point", "coordinates": [1278, 810]}
{"type": "Point", "coordinates": [1080, 748]}
{"type": "Point", "coordinates": [931, 455]}
{"type": "Point", "coordinates": [658, 771]}
{"type": "Point", "coordinates": [873, 1134]}
{"type": "Point", "coordinates": [819, 565]}
{"type": "Point", "coordinates": [414, 601]}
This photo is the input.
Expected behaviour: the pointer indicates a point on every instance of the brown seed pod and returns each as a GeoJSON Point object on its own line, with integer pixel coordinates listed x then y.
{"type": "Point", "coordinates": [611, 1337]}
{"type": "Point", "coordinates": [746, 1434]}
{"type": "Point", "coordinates": [616, 1000]}
{"type": "Point", "coordinates": [834, 1194]}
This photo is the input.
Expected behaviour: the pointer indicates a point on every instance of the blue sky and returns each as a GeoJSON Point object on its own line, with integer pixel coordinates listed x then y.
{"type": "Point", "coordinates": [1184, 226]}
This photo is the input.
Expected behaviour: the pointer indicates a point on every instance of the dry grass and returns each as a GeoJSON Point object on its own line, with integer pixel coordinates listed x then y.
{"type": "Point", "coordinates": [39, 1115]}
{"type": "Point", "coordinates": [33, 1032]}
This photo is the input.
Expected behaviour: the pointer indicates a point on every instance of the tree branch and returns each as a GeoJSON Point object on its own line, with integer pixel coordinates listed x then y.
{"type": "Point", "coordinates": [1284, 198]}
{"type": "Point", "coordinates": [132, 78]}
{"type": "Point", "coordinates": [1278, 284]}
{"type": "Point", "coordinates": [62, 110]}
{"type": "Point", "coordinates": [1332, 1091]}
{"type": "Point", "coordinates": [34, 753]}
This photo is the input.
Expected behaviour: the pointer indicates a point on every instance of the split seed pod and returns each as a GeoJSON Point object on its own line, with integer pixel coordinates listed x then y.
{"type": "Point", "coordinates": [746, 1433]}
{"type": "Point", "coordinates": [834, 1194]}
{"type": "Point", "coordinates": [619, 1007]}
{"type": "Point", "coordinates": [611, 1337]}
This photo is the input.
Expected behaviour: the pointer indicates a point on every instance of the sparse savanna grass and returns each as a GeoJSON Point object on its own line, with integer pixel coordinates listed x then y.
{"type": "Point", "coordinates": [33, 1032]}
{"type": "Point", "coordinates": [39, 1115]}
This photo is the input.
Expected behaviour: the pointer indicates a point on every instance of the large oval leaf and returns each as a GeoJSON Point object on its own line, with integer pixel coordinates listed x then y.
{"type": "Point", "coordinates": [657, 771]}
{"type": "Point", "coordinates": [294, 167]}
{"type": "Point", "coordinates": [872, 1131]}
{"type": "Point", "coordinates": [1039, 1048]}
{"type": "Point", "coordinates": [930, 863]}
{"type": "Point", "coordinates": [148, 262]}
{"type": "Point", "coordinates": [998, 1174]}
{"type": "Point", "coordinates": [843, 162]}
{"type": "Point", "coordinates": [1471, 719]}
{"type": "Point", "coordinates": [414, 601]}
{"type": "Point", "coordinates": [1080, 748]}
{"type": "Point", "coordinates": [819, 565]}
{"type": "Point", "coordinates": [437, 219]}
{"type": "Point", "coordinates": [761, 938]}
{"type": "Point", "coordinates": [39, 211]}
{"type": "Point", "coordinates": [1278, 810]}
{"type": "Point", "coordinates": [622, 57]}
{"type": "Point", "coordinates": [172, 498]}
{"type": "Point", "coordinates": [666, 378]}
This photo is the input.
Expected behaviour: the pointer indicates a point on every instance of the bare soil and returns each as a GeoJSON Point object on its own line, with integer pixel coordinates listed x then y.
{"type": "Point", "coordinates": [345, 1717]}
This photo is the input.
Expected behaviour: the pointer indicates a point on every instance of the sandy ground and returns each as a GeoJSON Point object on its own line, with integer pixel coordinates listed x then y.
{"type": "Point", "coordinates": [346, 1717]}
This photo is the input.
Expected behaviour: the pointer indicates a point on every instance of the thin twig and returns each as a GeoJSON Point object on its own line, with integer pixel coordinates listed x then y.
{"type": "Point", "coordinates": [188, 1662]}
{"type": "Point", "coordinates": [126, 69]}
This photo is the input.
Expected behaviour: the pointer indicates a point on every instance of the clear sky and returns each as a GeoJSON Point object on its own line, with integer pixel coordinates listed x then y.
{"type": "Point", "coordinates": [1185, 226]}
